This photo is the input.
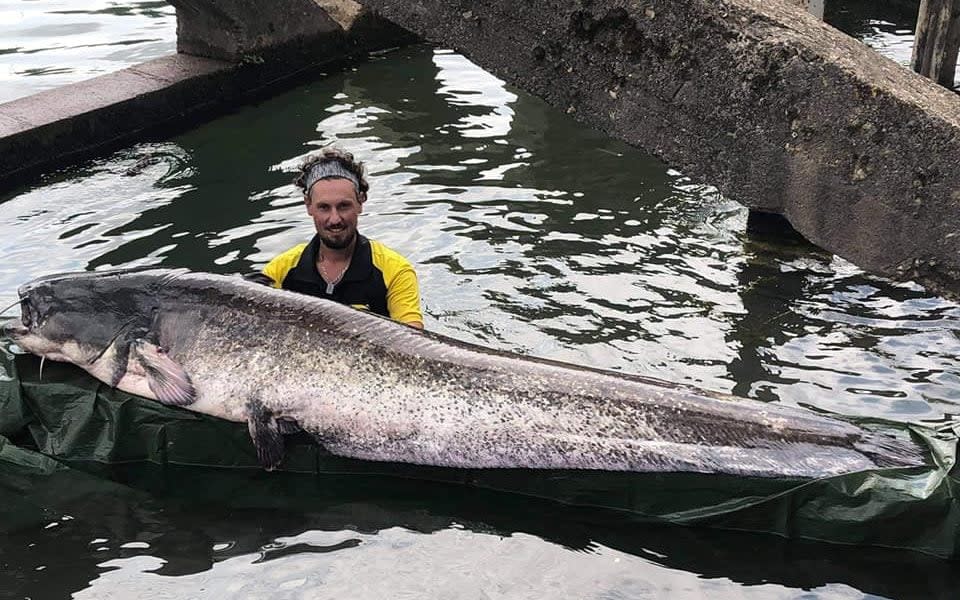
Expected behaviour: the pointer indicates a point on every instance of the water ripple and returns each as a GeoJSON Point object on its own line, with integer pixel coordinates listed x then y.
{"type": "Point", "coordinates": [50, 43]}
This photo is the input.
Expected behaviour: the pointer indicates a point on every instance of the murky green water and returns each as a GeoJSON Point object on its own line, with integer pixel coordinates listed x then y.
{"type": "Point", "coordinates": [529, 233]}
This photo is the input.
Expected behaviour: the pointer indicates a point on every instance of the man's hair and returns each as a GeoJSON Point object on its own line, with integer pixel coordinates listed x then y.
{"type": "Point", "coordinates": [328, 154]}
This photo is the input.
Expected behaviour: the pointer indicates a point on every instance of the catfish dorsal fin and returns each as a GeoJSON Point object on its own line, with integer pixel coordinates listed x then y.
{"type": "Point", "coordinates": [166, 379]}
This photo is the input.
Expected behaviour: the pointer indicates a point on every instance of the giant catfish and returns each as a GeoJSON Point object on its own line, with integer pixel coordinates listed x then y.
{"type": "Point", "coordinates": [368, 388]}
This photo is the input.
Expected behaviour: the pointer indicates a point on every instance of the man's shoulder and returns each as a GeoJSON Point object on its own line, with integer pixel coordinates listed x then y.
{"type": "Point", "coordinates": [385, 256]}
{"type": "Point", "coordinates": [283, 263]}
{"type": "Point", "coordinates": [293, 253]}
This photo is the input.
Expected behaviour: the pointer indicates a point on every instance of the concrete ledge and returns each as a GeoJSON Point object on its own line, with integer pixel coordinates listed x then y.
{"type": "Point", "coordinates": [61, 126]}
{"type": "Point", "coordinates": [780, 111]}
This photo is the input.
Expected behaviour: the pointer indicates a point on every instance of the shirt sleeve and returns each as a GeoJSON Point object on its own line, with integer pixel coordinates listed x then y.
{"type": "Point", "coordinates": [278, 268]}
{"type": "Point", "coordinates": [403, 296]}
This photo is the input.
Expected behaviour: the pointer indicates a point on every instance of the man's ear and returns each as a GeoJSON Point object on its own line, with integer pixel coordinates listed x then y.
{"type": "Point", "coordinates": [363, 200]}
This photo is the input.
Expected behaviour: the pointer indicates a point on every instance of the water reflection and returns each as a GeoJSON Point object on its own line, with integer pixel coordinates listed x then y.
{"type": "Point", "coordinates": [50, 43]}
{"type": "Point", "coordinates": [814, 325]}
{"type": "Point", "coordinates": [74, 222]}
{"type": "Point", "coordinates": [374, 538]}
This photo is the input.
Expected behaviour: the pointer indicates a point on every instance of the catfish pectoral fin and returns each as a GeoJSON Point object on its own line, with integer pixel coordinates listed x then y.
{"type": "Point", "coordinates": [288, 426]}
{"type": "Point", "coordinates": [266, 435]}
{"type": "Point", "coordinates": [166, 379]}
{"type": "Point", "coordinates": [120, 361]}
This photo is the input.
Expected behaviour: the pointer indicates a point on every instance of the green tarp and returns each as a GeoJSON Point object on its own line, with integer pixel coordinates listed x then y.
{"type": "Point", "coordinates": [68, 435]}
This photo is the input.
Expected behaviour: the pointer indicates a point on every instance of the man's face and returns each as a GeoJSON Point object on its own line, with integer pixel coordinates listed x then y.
{"type": "Point", "coordinates": [334, 207]}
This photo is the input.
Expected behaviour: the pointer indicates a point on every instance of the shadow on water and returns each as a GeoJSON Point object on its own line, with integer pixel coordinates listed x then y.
{"type": "Point", "coordinates": [799, 301]}
{"type": "Point", "coordinates": [770, 319]}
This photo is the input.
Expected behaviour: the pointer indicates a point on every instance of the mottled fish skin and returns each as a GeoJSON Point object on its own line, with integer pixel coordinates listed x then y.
{"type": "Point", "coordinates": [369, 388]}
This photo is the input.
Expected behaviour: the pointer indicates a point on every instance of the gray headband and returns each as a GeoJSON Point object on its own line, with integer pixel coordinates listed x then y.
{"type": "Point", "coordinates": [329, 169]}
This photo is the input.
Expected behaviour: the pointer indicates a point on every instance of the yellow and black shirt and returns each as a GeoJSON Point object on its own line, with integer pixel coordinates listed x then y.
{"type": "Point", "coordinates": [378, 279]}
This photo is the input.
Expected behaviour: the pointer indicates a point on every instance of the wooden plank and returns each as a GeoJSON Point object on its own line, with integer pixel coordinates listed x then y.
{"type": "Point", "coordinates": [937, 45]}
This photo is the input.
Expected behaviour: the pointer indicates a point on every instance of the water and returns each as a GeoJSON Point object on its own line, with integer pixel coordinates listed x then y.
{"type": "Point", "coordinates": [529, 233]}
{"type": "Point", "coordinates": [49, 43]}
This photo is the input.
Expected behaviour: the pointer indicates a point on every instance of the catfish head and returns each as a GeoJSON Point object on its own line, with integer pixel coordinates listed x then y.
{"type": "Point", "coordinates": [89, 319]}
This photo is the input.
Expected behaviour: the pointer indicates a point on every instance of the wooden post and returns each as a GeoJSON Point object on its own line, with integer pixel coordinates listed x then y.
{"type": "Point", "coordinates": [937, 44]}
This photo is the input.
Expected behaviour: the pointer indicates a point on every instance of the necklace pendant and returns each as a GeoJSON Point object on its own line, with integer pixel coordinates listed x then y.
{"type": "Point", "coordinates": [329, 288]}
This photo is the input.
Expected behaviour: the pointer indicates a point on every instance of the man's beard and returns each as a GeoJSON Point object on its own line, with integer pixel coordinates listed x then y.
{"type": "Point", "coordinates": [336, 244]}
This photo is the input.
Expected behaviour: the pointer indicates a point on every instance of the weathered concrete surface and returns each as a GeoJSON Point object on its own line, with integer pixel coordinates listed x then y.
{"type": "Point", "coordinates": [251, 30]}
{"type": "Point", "coordinates": [777, 109]}
{"type": "Point", "coordinates": [63, 125]}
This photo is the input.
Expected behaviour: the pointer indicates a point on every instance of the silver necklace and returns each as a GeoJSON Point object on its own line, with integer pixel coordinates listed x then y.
{"type": "Point", "coordinates": [332, 281]}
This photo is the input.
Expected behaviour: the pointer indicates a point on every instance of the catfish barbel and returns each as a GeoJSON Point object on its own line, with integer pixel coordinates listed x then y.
{"type": "Point", "coordinates": [368, 388]}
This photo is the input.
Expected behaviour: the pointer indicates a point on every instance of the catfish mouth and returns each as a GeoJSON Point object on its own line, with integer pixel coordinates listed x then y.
{"type": "Point", "coordinates": [27, 332]}
{"type": "Point", "coordinates": [14, 330]}
{"type": "Point", "coordinates": [31, 335]}
{"type": "Point", "coordinates": [28, 318]}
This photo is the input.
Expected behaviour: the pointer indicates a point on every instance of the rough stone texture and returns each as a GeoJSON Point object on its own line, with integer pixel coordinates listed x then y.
{"type": "Point", "coordinates": [255, 31]}
{"type": "Point", "coordinates": [63, 125]}
{"type": "Point", "coordinates": [344, 12]}
{"type": "Point", "coordinates": [235, 30]}
{"type": "Point", "coordinates": [777, 109]}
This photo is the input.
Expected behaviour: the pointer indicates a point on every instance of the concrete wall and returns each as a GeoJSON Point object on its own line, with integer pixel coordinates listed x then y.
{"type": "Point", "coordinates": [780, 111]}
{"type": "Point", "coordinates": [231, 51]}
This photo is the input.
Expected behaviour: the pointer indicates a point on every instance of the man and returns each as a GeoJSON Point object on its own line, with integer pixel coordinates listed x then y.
{"type": "Point", "coordinates": [339, 263]}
